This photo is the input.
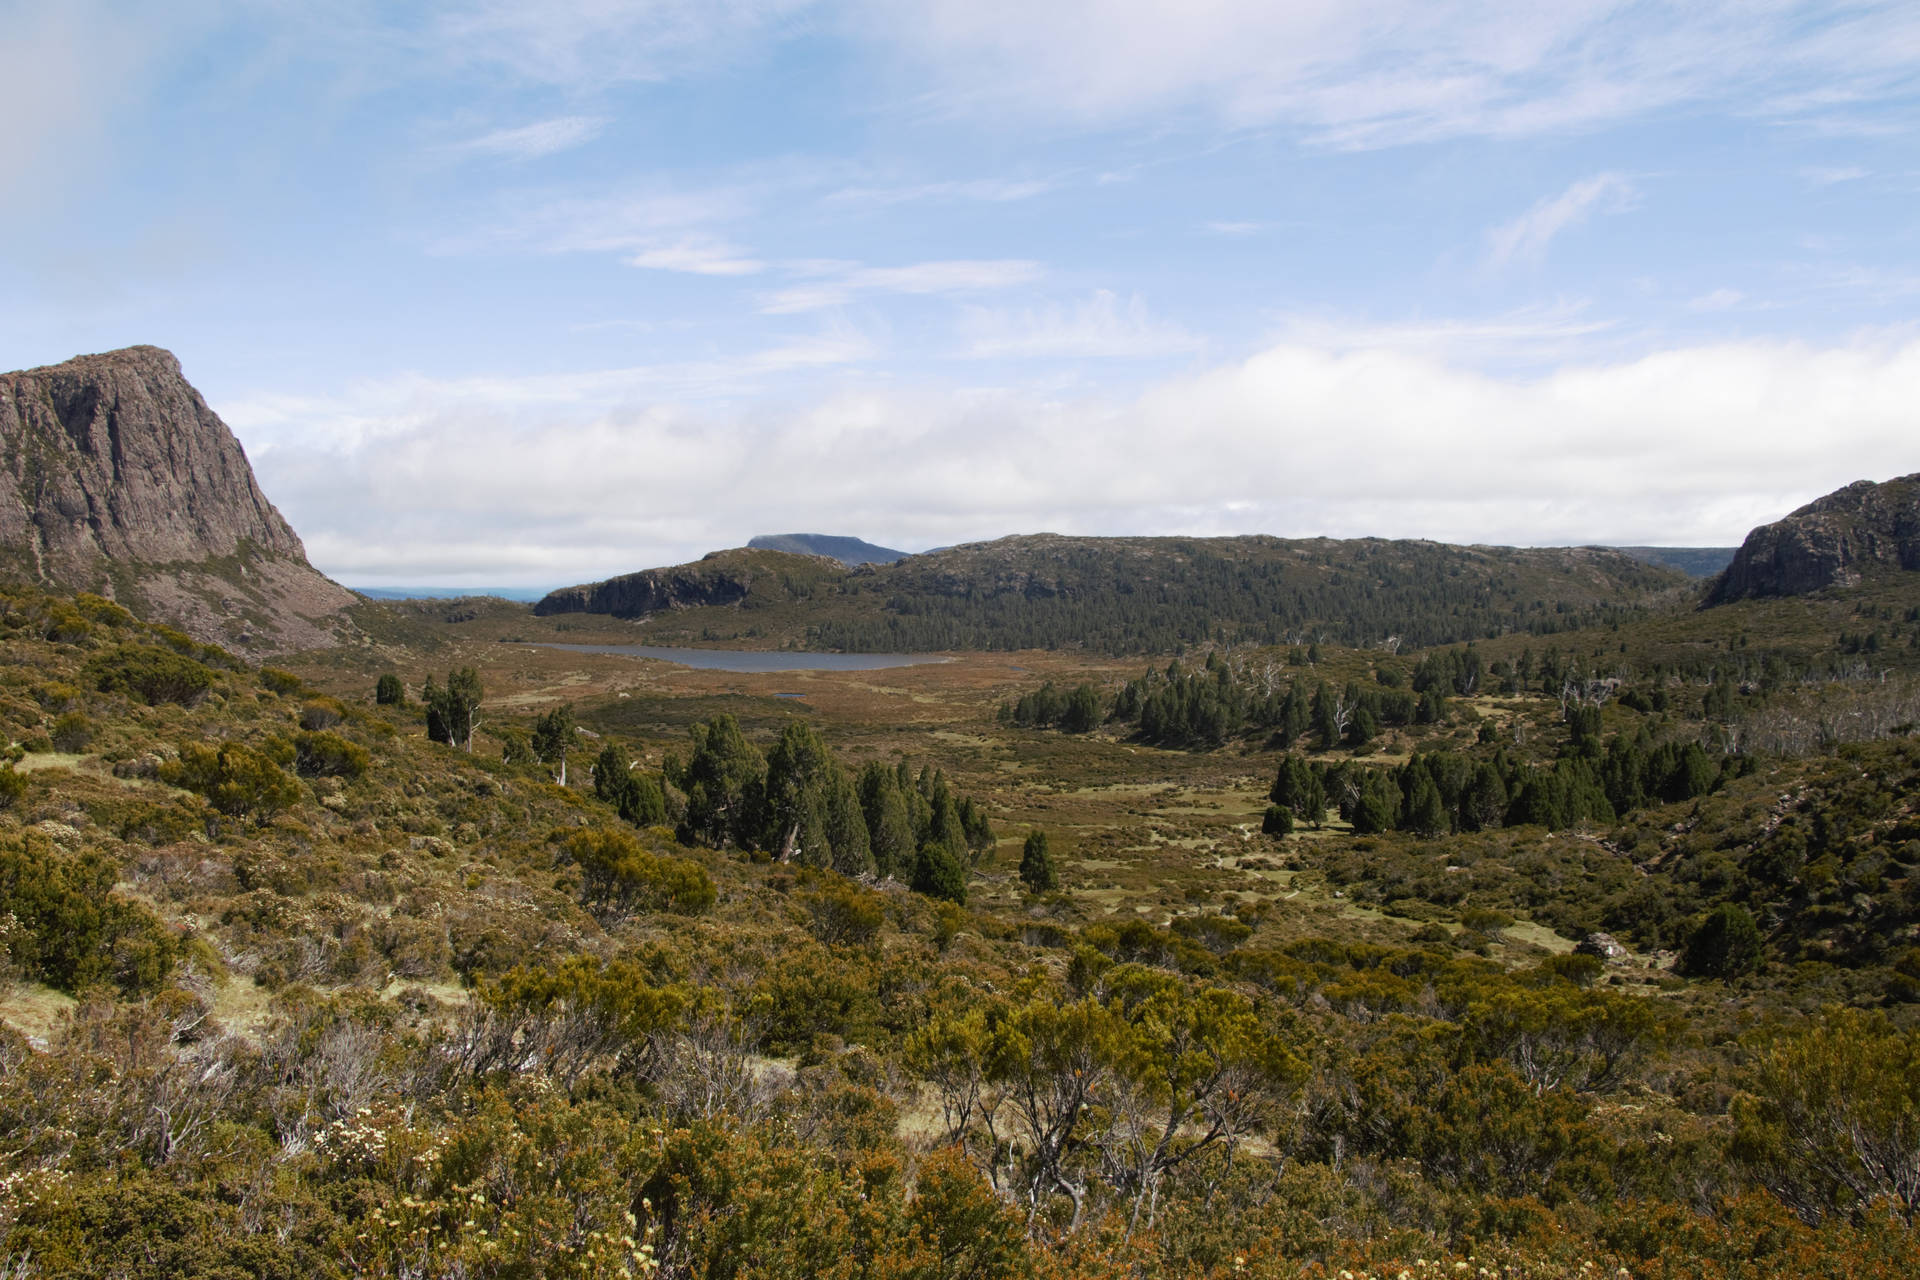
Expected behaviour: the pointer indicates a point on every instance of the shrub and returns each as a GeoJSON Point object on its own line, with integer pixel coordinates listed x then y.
{"type": "Point", "coordinates": [328, 755]}
{"type": "Point", "coordinates": [322, 713]}
{"type": "Point", "coordinates": [577, 1013]}
{"type": "Point", "coordinates": [1277, 821]}
{"type": "Point", "coordinates": [277, 681]}
{"type": "Point", "coordinates": [71, 732]}
{"type": "Point", "coordinates": [153, 674]}
{"type": "Point", "coordinates": [1832, 1119]}
{"type": "Point", "coordinates": [70, 931]}
{"type": "Point", "coordinates": [1580, 969]}
{"type": "Point", "coordinates": [618, 876]}
{"type": "Point", "coordinates": [12, 786]}
{"type": "Point", "coordinates": [1726, 944]}
{"type": "Point", "coordinates": [57, 696]}
{"type": "Point", "coordinates": [842, 913]}
{"type": "Point", "coordinates": [389, 692]}
{"type": "Point", "coordinates": [1485, 919]}
{"type": "Point", "coordinates": [237, 780]}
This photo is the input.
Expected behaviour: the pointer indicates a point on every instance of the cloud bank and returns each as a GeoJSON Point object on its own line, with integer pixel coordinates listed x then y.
{"type": "Point", "coordinates": [553, 480]}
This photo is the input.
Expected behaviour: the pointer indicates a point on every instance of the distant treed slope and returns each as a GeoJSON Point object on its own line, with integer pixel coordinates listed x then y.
{"type": "Point", "coordinates": [848, 551]}
{"type": "Point", "coordinates": [1137, 595]}
{"type": "Point", "coordinates": [1156, 594]}
{"type": "Point", "coordinates": [1695, 562]}
{"type": "Point", "coordinates": [123, 481]}
{"type": "Point", "coordinates": [720, 578]}
{"type": "Point", "coordinates": [1835, 541]}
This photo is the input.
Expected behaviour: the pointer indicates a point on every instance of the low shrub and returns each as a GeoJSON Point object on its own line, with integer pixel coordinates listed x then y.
{"type": "Point", "coordinates": [619, 876]}
{"type": "Point", "coordinates": [151, 673]}
{"type": "Point", "coordinates": [70, 931]}
{"type": "Point", "coordinates": [328, 755]}
{"type": "Point", "coordinates": [237, 780]}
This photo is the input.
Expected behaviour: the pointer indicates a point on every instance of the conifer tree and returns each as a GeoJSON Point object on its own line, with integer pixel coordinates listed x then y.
{"type": "Point", "coordinates": [1036, 864]}
{"type": "Point", "coordinates": [889, 821]}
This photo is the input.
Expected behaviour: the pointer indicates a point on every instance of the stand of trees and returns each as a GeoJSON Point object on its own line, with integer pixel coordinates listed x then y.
{"type": "Point", "coordinates": [1439, 793]}
{"type": "Point", "coordinates": [1178, 593]}
{"type": "Point", "coordinates": [799, 803]}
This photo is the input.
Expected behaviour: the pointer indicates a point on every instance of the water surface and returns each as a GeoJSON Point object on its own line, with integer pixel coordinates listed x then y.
{"type": "Point", "coordinates": [755, 661]}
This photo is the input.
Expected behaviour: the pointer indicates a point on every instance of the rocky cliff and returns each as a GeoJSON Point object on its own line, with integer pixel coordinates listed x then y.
{"type": "Point", "coordinates": [122, 481]}
{"type": "Point", "coordinates": [745, 577]}
{"type": "Point", "coordinates": [1835, 541]}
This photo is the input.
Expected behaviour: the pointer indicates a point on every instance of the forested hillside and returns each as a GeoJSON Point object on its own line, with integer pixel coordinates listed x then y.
{"type": "Point", "coordinates": [1157, 595]}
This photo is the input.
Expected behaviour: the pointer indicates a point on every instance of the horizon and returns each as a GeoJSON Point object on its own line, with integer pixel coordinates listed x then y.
{"type": "Point", "coordinates": [515, 294]}
{"type": "Point", "coordinates": [531, 590]}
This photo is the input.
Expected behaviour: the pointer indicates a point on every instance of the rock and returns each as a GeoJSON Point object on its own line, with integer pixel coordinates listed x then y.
{"type": "Point", "coordinates": [1601, 946]}
{"type": "Point", "coordinates": [432, 846]}
{"type": "Point", "coordinates": [1835, 541]}
{"type": "Point", "coordinates": [126, 484]}
{"type": "Point", "coordinates": [61, 833]}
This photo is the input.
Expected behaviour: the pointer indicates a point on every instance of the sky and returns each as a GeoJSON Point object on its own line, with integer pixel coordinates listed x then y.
{"type": "Point", "coordinates": [511, 294]}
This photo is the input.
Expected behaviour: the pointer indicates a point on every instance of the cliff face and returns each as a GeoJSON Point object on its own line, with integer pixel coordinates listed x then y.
{"type": "Point", "coordinates": [120, 480]}
{"type": "Point", "coordinates": [1831, 542]}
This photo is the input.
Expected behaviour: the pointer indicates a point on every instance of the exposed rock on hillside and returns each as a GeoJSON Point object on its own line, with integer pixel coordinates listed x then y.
{"type": "Point", "coordinates": [1831, 542]}
{"type": "Point", "coordinates": [720, 578]}
{"type": "Point", "coordinates": [125, 483]}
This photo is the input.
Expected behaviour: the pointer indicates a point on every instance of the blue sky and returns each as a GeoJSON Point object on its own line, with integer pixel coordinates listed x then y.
{"type": "Point", "coordinates": [498, 293]}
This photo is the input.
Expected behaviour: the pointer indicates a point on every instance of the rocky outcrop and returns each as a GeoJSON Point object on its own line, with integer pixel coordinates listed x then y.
{"type": "Point", "coordinates": [122, 481]}
{"type": "Point", "coordinates": [720, 578]}
{"type": "Point", "coordinates": [1835, 541]}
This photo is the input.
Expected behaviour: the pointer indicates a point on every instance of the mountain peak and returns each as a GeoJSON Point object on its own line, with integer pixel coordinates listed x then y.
{"type": "Point", "coordinates": [848, 551]}
{"type": "Point", "coordinates": [124, 482]}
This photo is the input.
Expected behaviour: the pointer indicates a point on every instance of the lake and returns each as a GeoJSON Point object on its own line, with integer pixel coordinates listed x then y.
{"type": "Point", "coordinates": [755, 661]}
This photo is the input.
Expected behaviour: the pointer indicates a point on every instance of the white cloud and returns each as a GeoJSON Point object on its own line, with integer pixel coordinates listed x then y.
{"type": "Point", "coordinates": [1531, 338]}
{"type": "Point", "coordinates": [1359, 73]}
{"type": "Point", "coordinates": [542, 138]}
{"type": "Point", "coordinates": [1718, 300]}
{"type": "Point", "coordinates": [701, 256]}
{"type": "Point", "coordinates": [1526, 238]}
{"type": "Point", "coordinates": [1821, 176]}
{"type": "Point", "coordinates": [660, 229]}
{"type": "Point", "coordinates": [1100, 326]}
{"type": "Point", "coordinates": [569, 478]}
{"type": "Point", "coordinates": [839, 283]}
{"type": "Point", "coordinates": [1233, 228]}
{"type": "Point", "coordinates": [983, 190]}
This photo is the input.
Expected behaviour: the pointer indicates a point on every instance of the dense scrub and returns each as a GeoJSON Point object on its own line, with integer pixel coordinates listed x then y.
{"type": "Point", "coordinates": [342, 999]}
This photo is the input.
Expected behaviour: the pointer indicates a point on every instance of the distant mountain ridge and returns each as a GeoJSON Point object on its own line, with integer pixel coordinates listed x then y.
{"type": "Point", "coordinates": [848, 551]}
{"type": "Point", "coordinates": [124, 482]}
{"type": "Point", "coordinates": [1128, 595]}
{"type": "Point", "coordinates": [1695, 562]}
{"type": "Point", "coordinates": [719, 578]}
{"type": "Point", "coordinates": [1862, 530]}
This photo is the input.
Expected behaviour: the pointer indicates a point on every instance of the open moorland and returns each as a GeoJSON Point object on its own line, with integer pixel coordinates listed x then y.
{"type": "Point", "coordinates": [447, 952]}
